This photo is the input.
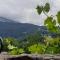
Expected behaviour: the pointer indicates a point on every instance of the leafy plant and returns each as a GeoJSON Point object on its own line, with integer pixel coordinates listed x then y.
{"type": "Point", "coordinates": [39, 9]}
{"type": "Point", "coordinates": [52, 45]}
{"type": "Point", "coordinates": [16, 51]}
{"type": "Point", "coordinates": [51, 50]}
{"type": "Point", "coordinates": [11, 47]}
{"type": "Point", "coordinates": [13, 52]}
{"type": "Point", "coordinates": [44, 9]}
{"type": "Point", "coordinates": [10, 43]}
{"type": "Point", "coordinates": [58, 17]}
{"type": "Point", "coordinates": [50, 22]}
{"type": "Point", "coordinates": [37, 49]}
{"type": "Point", "coordinates": [20, 51]}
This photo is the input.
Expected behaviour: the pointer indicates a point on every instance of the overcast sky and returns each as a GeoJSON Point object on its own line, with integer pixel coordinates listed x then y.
{"type": "Point", "coordinates": [24, 11]}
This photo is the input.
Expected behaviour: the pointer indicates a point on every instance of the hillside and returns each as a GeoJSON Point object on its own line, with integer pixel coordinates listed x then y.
{"type": "Point", "coordinates": [8, 28]}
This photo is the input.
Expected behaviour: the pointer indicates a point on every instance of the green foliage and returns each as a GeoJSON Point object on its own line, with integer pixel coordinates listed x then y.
{"type": "Point", "coordinates": [50, 22]}
{"type": "Point", "coordinates": [20, 51]}
{"type": "Point", "coordinates": [39, 9]}
{"type": "Point", "coordinates": [37, 49]}
{"type": "Point", "coordinates": [34, 44]}
{"type": "Point", "coordinates": [35, 38]}
{"type": "Point", "coordinates": [52, 41]}
{"type": "Point", "coordinates": [55, 49]}
{"type": "Point", "coordinates": [31, 39]}
{"type": "Point", "coordinates": [13, 52]}
{"type": "Point", "coordinates": [49, 46]}
{"type": "Point", "coordinates": [16, 51]}
{"type": "Point", "coordinates": [47, 7]}
{"type": "Point", "coordinates": [51, 50]}
{"type": "Point", "coordinates": [58, 17]}
{"type": "Point", "coordinates": [10, 43]}
{"type": "Point", "coordinates": [51, 25]}
{"type": "Point", "coordinates": [52, 45]}
{"type": "Point", "coordinates": [11, 47]}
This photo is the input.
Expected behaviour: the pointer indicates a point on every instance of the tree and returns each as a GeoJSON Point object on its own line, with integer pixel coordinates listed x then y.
{"type": "Point", "coordinates": [50, 22]}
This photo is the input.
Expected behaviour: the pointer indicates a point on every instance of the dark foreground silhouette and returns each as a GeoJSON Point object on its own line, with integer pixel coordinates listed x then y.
{"type": "Point", "coordinates": [24, 58]}
{"type": "Point", "coordinates": [21, 58]}
{"type": "Point", "coordinates": [29, 58]}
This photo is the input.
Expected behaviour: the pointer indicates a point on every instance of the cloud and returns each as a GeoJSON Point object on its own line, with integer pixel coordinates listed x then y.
{"type": "Point", "coordinates": [23, 11]}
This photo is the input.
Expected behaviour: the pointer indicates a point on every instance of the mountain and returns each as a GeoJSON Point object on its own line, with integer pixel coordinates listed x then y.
{"type": "Point", "coordinates": [2, 19]}
{"type": "Point", "coordinates": [8, 28]}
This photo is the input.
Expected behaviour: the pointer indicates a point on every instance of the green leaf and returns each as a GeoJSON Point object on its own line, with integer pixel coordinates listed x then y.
{"type": "Point", "coordinates": [39, 9]}
{"type": "Point", "coordinates": [58, 17]}
{"type": "Point", "coordinates": [48, 21]}
{"type": "Point", "coordinates": [37, 48]}
{"type": "Point", "coordinates": [51, 24]}
{"type": "Point", "coordinates": [54, 22]}
{"type": "Point", "coordinates": [47, 7]}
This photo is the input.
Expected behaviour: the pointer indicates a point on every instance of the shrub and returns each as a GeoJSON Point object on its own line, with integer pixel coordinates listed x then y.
{"type": "Point", "coordinates": [37, 48]}
{"type": "Point", "coordinates": [16, 51]}
{"type": "Point", "coordinates": [11, 47]}
{"type": "Point", "coordinates": [51, 50]}
{"type": "Point", "coordinates": [13, 52]}
{"type": "Point", "coordinates": [20, 51]}
{"type": "Point", "coordinates": [52, 45]}
{"type": "Point", "coordinates": [52, 41]}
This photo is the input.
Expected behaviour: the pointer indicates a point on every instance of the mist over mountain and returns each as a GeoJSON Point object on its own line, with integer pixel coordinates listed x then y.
{"type": "Point", "coordinates": [8, 28]}
{"type": "Point", "coordinates": [2, 19]}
